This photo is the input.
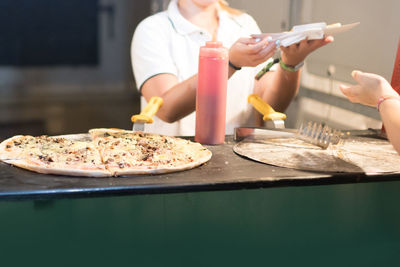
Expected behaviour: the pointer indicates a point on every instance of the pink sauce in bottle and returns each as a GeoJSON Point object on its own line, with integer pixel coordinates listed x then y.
{"type": "Point", "coordinates": [211, 94]}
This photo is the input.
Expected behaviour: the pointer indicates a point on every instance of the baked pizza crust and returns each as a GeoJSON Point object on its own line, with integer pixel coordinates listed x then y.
{"type": "Point", "coordinates": [4, 153]}
{"type": "Point", "coordinates": [201, 155]}
{"type": "Point", "coordinates": [24, 164]}
{"type": "Point", "coordinates": [100, 131]}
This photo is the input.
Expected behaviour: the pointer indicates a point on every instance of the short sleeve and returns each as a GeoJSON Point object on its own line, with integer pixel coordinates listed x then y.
{"type": "Point", "coordinates": [150, 52]}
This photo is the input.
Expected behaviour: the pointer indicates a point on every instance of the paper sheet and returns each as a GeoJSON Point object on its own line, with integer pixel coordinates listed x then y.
{"type": "Point", "coordinates": [311, 31]}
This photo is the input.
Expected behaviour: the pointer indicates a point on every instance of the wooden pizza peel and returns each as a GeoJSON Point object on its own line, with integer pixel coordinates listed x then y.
{"type": "Point", "coordinates": [354, 154]}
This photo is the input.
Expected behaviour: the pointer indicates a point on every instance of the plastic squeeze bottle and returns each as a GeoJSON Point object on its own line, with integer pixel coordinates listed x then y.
{"type": "Point", "coordinates": [211, 94]}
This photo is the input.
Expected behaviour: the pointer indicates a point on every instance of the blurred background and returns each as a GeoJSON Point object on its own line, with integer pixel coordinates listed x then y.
{"type": "Point", "coordinates": [65, 65]}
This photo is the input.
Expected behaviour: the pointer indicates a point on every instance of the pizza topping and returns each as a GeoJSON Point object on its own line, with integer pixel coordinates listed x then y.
{"type": "Point", "coordinates": [46, 159]}
{"type": "Point", "coordinates": [121, 165]}
{"type": "Point", "coordinates": [147, 157]}
{"type": "Point", "coordinates": [59, 140]}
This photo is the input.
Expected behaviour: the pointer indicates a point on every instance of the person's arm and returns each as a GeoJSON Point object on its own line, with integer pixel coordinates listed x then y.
{"type": "Point", "coordinates": [279, 87]}
{"type": "Point", "coordinates": [390, 113]}
{"type": "Point", "coordinates": [156, 72]}
{"type": "Point", "coordinates": [370, 90]}
{"type": "Point", "coordinates": [179, 98]}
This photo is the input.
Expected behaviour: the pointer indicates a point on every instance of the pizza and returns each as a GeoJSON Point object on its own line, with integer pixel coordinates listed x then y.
{"type": "Point", "coordinates": [103, 153]}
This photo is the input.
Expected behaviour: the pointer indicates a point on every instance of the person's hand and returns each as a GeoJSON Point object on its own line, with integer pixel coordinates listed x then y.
{"type": "Point", "coordinates": [369, 89]}
{"type": "Point", "coordinates": [249, 52]}
{"type": "Point", "coordinates": [296, 53]}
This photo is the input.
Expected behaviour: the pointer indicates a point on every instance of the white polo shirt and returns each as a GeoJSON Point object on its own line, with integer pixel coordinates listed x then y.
{"type": "Point", "coordinates": [168, 43]}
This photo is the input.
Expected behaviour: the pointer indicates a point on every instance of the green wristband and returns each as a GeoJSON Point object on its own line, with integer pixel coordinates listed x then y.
{"type": "Point", "coordinates": [291, 68]}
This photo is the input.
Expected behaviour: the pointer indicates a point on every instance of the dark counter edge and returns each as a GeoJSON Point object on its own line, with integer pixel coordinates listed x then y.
{"type": "Point", "coordinates": [337, 178]}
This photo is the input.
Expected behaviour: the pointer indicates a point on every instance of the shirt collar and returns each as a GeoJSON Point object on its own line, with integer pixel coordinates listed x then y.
{"type": "Point", "coordinates": [182, 25]}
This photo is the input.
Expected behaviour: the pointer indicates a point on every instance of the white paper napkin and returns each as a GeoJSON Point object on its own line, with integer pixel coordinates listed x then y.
{"type": "Point", "coordinates": [311, 31]}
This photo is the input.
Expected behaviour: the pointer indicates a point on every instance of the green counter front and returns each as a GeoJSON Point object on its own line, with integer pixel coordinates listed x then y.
{"type": "Point", "coordinates": [330, 225]}
{"type": "Point", "coordinates": [229, 212]}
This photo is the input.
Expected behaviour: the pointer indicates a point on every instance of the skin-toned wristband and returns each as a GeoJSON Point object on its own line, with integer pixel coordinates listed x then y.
{"type": "Point", "coordinates": [291, 68]}
{"type": "Point", "coordinates": [233, 66]}
{"type": "Point", "coordinates": [383, 98]}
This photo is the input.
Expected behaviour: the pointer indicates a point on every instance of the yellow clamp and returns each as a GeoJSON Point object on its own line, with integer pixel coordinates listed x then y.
{"type": "Point", "coordinates": [149, 110]}
{"type": "Point", "coordinates": [265, 109]}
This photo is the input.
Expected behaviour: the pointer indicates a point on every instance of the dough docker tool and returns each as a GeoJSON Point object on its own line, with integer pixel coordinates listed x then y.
{"type": "Point", "coordinates": [146, 115]}
{"type": "Point", "coordinates": [313, 133]}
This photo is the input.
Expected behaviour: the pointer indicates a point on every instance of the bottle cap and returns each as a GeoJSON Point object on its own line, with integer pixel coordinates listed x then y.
{"type": "Point", "coordinates": [213, 44]}
{"type": "Point", "coordinates": [213, 50]}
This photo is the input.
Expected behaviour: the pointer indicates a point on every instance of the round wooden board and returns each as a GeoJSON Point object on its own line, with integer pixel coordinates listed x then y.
{"type": "Point", "coordinates": [355, 155]}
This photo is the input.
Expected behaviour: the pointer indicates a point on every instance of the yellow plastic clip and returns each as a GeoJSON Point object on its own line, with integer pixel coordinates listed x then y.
{"type": "Point", "coordinates": [265, 109]}
{"type": "Point", "coordinates": [149, 110]}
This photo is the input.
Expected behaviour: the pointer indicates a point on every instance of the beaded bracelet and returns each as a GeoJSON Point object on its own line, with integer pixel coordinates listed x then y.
{"type": "Point", "coordinates": [383, 98]}
{"type": "Point", "coordinates": [266, 68]}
